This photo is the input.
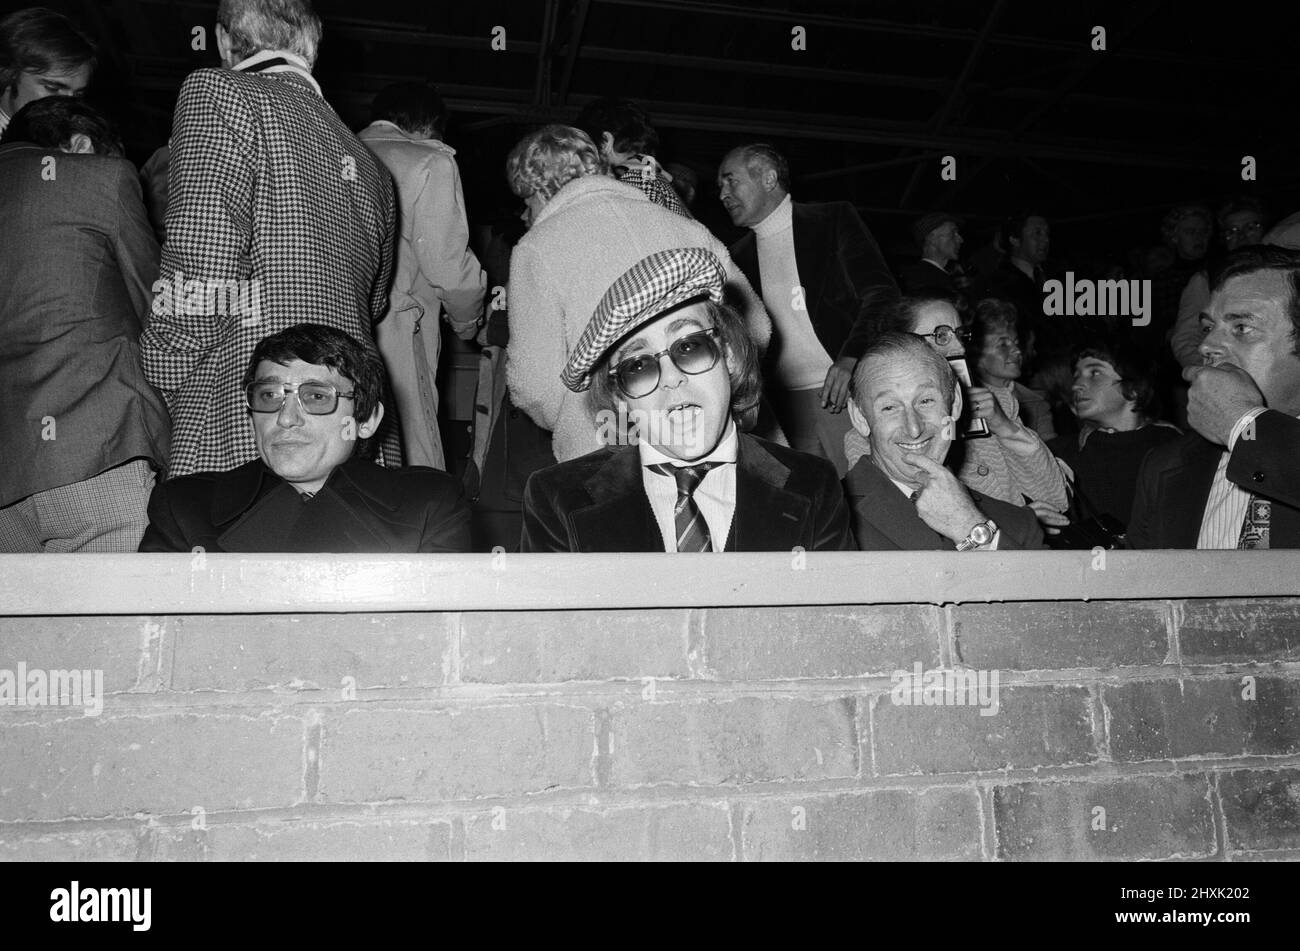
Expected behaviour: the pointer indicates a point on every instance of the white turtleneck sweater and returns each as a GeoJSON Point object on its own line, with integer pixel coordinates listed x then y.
{"type": "Point", "coordinates": [803, 361]}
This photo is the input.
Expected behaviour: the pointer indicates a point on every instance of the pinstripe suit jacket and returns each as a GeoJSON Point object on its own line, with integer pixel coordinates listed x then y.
{"type": "Point", "coordinates": [267, 186]}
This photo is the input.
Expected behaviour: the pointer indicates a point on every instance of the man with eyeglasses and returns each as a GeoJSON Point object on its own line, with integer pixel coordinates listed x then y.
{"type": "Point", "coordinates": [313, 397]}
{"type": "Point", "coordinates": [671, 369]}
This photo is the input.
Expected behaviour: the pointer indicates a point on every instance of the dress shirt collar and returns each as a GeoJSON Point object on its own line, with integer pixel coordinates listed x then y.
{"type": "Point", "coordinates": [724, 451]}
{"type": "Point", "coordinates": [292, 63]}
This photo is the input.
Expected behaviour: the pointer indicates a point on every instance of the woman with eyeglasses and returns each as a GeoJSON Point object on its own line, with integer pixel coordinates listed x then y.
{"type": "Point", "coordinates": [669, 370]}
{"type": "Point", "coordinates": [585, 230]}
{"type": "Point", "coordinates": [1013, 464]}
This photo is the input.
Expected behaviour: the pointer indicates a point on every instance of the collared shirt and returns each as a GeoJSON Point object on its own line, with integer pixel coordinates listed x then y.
{"type": "Point", "coordinates": [936, 264]}
{"type": "Point", "coordinates": [4, 121]}
{"type": "Point", "coordinates": [803, 361]}
{"type": "Point", "coordinates": [293, 63]}
{"type": "Point", "coordinates": [1225, 508]}
{"type": "Point", "coordinates": [715, 495]}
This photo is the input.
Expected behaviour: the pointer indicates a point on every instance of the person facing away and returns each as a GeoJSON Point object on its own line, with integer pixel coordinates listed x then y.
{"type": "Point", "coordinates": [670, 368]}
{"type": "Point", "coordinates": [437, 274]}
{"type": "Point", "coordinates": [314, 399]}
{"type": "Point", "coordinates": [275, 212]}
{"type": "Point", "coordinates": [84, 432]}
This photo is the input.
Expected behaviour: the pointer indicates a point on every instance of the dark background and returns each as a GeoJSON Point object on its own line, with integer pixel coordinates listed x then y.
{"type": "Point", "coordinates": [1104, 142]}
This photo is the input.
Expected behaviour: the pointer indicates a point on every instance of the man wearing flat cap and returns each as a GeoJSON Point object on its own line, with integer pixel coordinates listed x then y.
{"type": "Point", "coordinates": [937, 237]}
{"type": "Point", "coordinates": [669, 369]}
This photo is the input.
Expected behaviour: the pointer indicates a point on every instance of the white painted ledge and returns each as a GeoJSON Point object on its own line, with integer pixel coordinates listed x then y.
{"type": "Point", "coordinates": [260, 584]}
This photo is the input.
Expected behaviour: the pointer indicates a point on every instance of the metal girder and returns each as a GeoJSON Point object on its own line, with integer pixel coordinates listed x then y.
{"type": "Point", "coordinates": [574, 44]}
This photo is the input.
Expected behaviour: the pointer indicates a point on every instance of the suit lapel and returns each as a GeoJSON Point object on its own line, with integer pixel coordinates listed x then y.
{"type": "Point", "coordinates": [768, 517]}
{"type": "Point", "coordinates": [812, 252]}
{"type": "Point", "coordinates": [877, 501]}
{"type": "Point", "coordinates": [620, 517]}
{"type": "Point", "coordinates": [745, 253]}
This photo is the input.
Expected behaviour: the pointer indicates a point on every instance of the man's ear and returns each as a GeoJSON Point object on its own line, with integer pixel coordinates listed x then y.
{"type": "Point", "coordinates": [858, 420]}
{"type": "Point", "coordinates": [957, 402]}
{"type": "Point", "coordinates": [367, 429]}
{"type": "Point", "coordinates": [224, 47]}
{"type": "Point", "coordinates": [80, 144]}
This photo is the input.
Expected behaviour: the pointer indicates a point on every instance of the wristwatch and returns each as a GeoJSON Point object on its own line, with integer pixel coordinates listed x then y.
{"type": "Point", "coordinates": [981, 534]}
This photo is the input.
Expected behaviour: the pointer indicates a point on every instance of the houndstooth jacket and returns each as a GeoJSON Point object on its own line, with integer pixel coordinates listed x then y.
{"type": "Point", "coordinates": [268, 187]}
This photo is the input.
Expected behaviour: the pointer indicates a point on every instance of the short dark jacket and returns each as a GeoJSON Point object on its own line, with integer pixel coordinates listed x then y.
{"type": "Point", "coordinates": [361, 508]}
{"type": "Point", "coordinates": [597, 503]}
{"type": "Point", "coordinates": [848, 287]}
{"type": "Point", "coordinates": [1176, 478]}
{"type": "Point", "coordinates": [884, 519]}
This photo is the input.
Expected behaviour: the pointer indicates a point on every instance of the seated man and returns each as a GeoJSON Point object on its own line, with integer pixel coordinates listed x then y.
{"type": "Point", "coordinates": [904, 399]}
{"type": "Point", "coordinates": [691, 482]}
{"type": "Point", "coordinates": [313, 396]}
{"type": "Point", "coordinates": [1235, 482]}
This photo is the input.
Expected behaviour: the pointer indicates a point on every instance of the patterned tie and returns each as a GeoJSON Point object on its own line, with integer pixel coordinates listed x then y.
{"type": "Point", "coordinates": [692, 530]}
{"type": "Point", "coordinates": [1254, 528]}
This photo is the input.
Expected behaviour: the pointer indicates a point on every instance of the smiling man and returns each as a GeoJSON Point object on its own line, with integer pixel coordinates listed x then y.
{"type": "Point", "coordinates": [313, 397]}
{"type": "Point", "coordinates": [41, 54]}
{"type": "Point", "coordinates": [904, 400]}
{"type": "Point", "coordinates": [676, 368]}
{"type": "Point", "coordinates": [1235, 482]}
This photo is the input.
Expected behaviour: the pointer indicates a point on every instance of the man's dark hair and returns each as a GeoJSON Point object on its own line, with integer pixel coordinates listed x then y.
{"type": "Point", "coordinates": [53, 121]}
{"type": "Point", "coordinates": [324, 346]}
{"type": "Point", "coordinates": [1136, 372]}
{"type": "Point", "coordinates": [413, 107]}
{"type": "Point", "coordinates": [896, 343]}
{"type": "Point", "coordinates": [39, 40]}
{"type": "Point", "coordinates": [624, 120]}
{"type": "Point", "coordinates": [760, 153]}
{"type": "Point", "coordinates": [742, 367]}
{"type": "Point", "coordinates": [1264, 257]}
{"type": "Point", "coordinates": [1014, 226]}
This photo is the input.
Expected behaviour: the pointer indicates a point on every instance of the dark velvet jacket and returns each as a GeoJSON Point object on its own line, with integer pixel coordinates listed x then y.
{"type": "Point", "coordinates": [1176, 478]}
{"type": "Point", "coordinates": [362, 507]}
{"type": "Point", "coordinates": [884, 519]}
{"type": "Point", "coordinates": [847, 285]}
{"type": "Point", "coordinates": [597, 503]}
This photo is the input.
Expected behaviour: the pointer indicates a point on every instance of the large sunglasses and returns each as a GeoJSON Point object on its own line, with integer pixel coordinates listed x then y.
{"type": "Point", "coordinates": [316, 399]}
{"type": "Point", "coordinates": [693, 354]}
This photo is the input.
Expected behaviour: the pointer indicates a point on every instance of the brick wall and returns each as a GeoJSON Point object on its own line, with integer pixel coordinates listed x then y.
{"type": "Point", "coordinates": [1146, 729]}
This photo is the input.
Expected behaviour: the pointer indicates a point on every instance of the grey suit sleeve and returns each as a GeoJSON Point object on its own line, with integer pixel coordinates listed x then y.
{"type": "Point", "coordinates": [133, 241]}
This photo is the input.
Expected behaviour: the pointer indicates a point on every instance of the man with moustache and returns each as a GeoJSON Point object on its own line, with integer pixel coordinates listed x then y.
{"type": "Point", "coordinates": [664, 353]}
{"type": "Point", "coordinates": [313, 396]}
{"type": "Point", "coordinates": [905, 399]}
{"type": "Point", "coordinates": [1235, 482]}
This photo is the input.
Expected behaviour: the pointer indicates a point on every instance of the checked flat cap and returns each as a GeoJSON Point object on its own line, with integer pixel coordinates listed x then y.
{"type": "Point", "coordinates": [922, 227]}
{"type": "Point", "coordinates": [648, 289]}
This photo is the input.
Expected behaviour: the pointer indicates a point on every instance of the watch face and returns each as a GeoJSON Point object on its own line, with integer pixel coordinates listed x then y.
{"type": "Point", "coordinates": [981, 534]}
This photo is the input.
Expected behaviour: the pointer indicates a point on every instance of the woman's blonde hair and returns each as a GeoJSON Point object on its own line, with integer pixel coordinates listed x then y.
{"type": "Point", "coordinates": [545, 161]}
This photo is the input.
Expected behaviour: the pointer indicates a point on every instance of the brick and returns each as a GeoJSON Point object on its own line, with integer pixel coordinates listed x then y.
{"type": "Point", "coordinates": [115, 645]}
{"type": "Point", "coordinates": [558, 646]}
{"type": "Point", "coordinates": [687, 832]}
{"type": "Point", "coordinates": [889, 824]}
{"type": "Point", "coordinates": [1171, 719]}
{"type": "Point", "coordinates": [92, 767]}
{"type": "Point", "coordinates": [1034, 726]}
{"type": "Point", "coordinates": [370, 839]}
{"type": "Point", "coordinates": [311, 651]}
{"type": "Point", "coordinates": [1213, 631]}
{"type": "Point", "coordinates": [1261, 808]}
{"type": "Point", "coordinates": [454, 752]}
{"type": "Point", "coordinates": [18, 844]}
{"type": "Point", "coordinates": [801, 642]}
{"type": "Point", "coordinates": [732, 741]}
{"type": "Point", "coordinates": [1146, 817]}
{"type": "Point", "coordinates": [1060, 635]}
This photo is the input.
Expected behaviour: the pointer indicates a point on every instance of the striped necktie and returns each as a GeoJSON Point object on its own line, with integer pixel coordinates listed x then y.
{"type": "Point", "coordinates": [692, 530]}
{"type": "Point", "coordinates": [1254, 528]}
